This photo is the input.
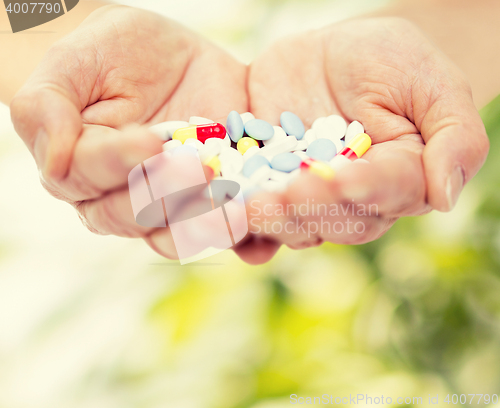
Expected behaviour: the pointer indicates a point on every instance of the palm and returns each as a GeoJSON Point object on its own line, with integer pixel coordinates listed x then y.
{"type": "Point", "coordinates": [368, 73]}
{"type": "Point", "coordinates": [146, 69]}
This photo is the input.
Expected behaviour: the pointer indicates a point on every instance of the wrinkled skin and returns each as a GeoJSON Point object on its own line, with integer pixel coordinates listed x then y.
{"type": "Point", "coordinates": [140, 68]}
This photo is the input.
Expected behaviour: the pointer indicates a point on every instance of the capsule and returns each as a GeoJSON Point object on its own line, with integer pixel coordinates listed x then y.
{"type": "Point", "coordinates": [200, 132]}
{"type": "Point", "coordinates": [357, 147]}
{"type": "Point", "coordinates": [318, 168]}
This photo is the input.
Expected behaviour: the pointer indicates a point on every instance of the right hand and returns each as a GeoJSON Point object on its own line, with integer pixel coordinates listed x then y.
{"type": "Point", "coordinates": [120, 66]}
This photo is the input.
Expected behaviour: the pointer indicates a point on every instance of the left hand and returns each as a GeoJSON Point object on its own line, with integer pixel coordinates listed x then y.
{"type": "Point", "coordinates": [429, 140]}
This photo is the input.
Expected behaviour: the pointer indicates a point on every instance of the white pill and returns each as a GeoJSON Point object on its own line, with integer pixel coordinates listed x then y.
{"type": "Point", "coordinates": [288, 144]}
{"type": "Point", "coordinates": [195, 142]}
{"type": "Point", "coordinates": [279, 134]}
{"type": "Point", "coordinates": [261, 174]}
{"type": "Point", "coordinates": [250, 152]}
{"type": "Point", "coordinates": [226, 141]}
{"type": "Point", "coordinates": [215, 141]}
{"type": "Point", "coordinates": [334, 127]}
{"type": "Point", "coordinates": [354, 129]}
{"type": "Point", "coordinates": [247, 116]}
{"type": "Point", "coordinates": [198, 120]}
{"type": "Point", "coordinates": [339, 162]}
{"type": "Point", "coordinates": [303, 155]}
{"type": "Point", "coordinates": [279, 176]}
{"type": "Point", "coordinates": [231, 161]}
{"type": "Point", "coordinates": [302, 145]}
{"type": "Point", "coordinates": [171, 144]}
{"type": "Point", "coordinates": [166, 130]}
{"type": "Point", "coordinates": [318, 123]}
{"type": "Point", "coordinates": [209, 150]}
{"type": "Point", "coordinates": [310, 136]}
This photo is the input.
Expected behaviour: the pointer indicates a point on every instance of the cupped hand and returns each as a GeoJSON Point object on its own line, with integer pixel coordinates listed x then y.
{"type": "Point", "coordinates": [429, 140]}
{"type": "Point", "coordinates": [120, 66]}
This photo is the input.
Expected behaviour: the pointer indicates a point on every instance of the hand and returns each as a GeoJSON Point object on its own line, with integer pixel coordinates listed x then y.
{"type": "Point", "coordinates": [415, 104]}
{"type": "Point", "coordinates": [120, 66]}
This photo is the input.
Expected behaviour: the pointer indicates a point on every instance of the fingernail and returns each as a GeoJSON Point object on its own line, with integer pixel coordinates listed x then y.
{"type": "Point", "coordinates": [454, 186]}
{"type": "Point", "coordinates": [40, 149]}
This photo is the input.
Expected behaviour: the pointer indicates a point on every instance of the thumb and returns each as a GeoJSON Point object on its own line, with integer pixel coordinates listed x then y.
{"type": "Point", "coordinates": [47, 117]}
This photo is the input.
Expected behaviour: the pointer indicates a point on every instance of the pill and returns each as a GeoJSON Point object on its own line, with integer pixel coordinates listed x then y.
{"type": "Point", "coordinates": [310, 136]}
{"type": "Point", "coordinates": [261, 174]}
{"type": "Point", "coordinates": [357, 147]}
{"type": "Point", "coordinates": [301, 154]}
{"type": "Point", "coordinates": [283, 146]}
{"type": "Point", "coordinates": [292, 125]}
{"type": "Point", "coordinates": [250, 152]}
{"type": "Point", "coordinates": [247, 116]}
{"type": "Point", "coordinates": [214, 163]}
{"type": "Point", "coordinates": [302, 145]}
{"type": "Point", "coordinates": [339, 162]}
{"type": "Point", "coordinates": [231, 161]}
{"type": "Point", "coordinates": [215, 141]}
{"type": "Point", "coordinates": [198, 120]}
{"type": "Point", "coordinates": [286, 162]}
{"type": "Point", "coordinates": [209, 149]}
{"type": "Point", "coordinates": [322, 149]}
{"type": "Point", "coordinates": [272, 186]}
{"type": "Point", "coordinates": [234, 126]}
{"type": "Point", "coordinates": [166, 130]}
{"type": "Point", "coordinates": [320, 169]}
{"type": "Point", "coordinates": [226, 141]}
{"type": "Point", "coordinates": [279, 134]}
{"type": "Point", "coordinates": [254, 163]}
{"type": "Point", "coordinates": [246, 143]}
{"type": "Point", "coordinates": [200, 132]}
{"type": "Point", "coordinates": [195, 142]}
{"type": "Point", "coordinates": [318, 122]}
{"type": "Point", "coordinates": [185, 150]}
{"type": "Point", "coordinates": [280, 176]}
{"type": "Point", "coordinates": [354, 129]}
{"type": "Point", "coordinates": [171, 144]}
{"type": "Point", "coordinates": [259, 129]}
{"type": "Point", "coordinates": [334, 127]}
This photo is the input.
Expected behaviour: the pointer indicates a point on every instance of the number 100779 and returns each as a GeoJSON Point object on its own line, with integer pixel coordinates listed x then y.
{"type": "Point", "coordinates": [32, 8]}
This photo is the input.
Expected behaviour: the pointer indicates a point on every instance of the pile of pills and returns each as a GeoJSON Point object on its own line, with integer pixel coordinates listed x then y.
{"type": "Point", "coordinates": [259, 156]}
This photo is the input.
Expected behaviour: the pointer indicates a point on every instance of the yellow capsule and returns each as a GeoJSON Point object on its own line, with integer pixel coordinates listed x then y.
{"type": "Point", "coordinates": [322, 170]}
{"type": "Point", "coordinates": [214, 163]}
{"type": "Point", "coordinates": [185, 133]}
{"type": "Point", "coordinates": [360, 144]}
{"type": "Point", "coordinates": [246, 143]}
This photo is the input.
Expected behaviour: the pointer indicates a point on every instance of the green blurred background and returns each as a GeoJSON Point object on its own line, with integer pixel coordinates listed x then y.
{"type": "Point", "coordinates": [102, 322]}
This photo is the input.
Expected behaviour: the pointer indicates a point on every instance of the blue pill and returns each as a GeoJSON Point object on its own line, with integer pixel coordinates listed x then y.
{"type": "Point", "coordinates": [259, 129]}
{"type": "Point", "coordinates": [253, 164]}
{"type": "Point", "coordinates": [234, 126]}
{"type": "Point", "coordinates": [292, 125]}
{"type": "Point", "coordinates": [286, 162]}
{"type": "Point", "coordinates": [322, 149]}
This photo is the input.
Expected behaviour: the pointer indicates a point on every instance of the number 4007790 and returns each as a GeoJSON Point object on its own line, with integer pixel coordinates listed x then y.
{"type": "Point", "coordinates": [32, 8]}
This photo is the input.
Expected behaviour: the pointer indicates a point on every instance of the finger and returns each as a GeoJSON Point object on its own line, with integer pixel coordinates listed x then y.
{"type": "Point", "coordinates": [162, 242]}
{"type": "Point", "coordinates": [46, 116]}
{"type": "Point", "coordinates": [103, 159]}
{"type": "Point", "coordinates": [392, 184]}
{"type": "Point", "coordinates": [323, 213]}
{"type": "Point", "coordinates": [257, 250]}
{"type": "Point", "coordinates": [456, 143]}
{"type": "Point", "coordinates": [111, 214]}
